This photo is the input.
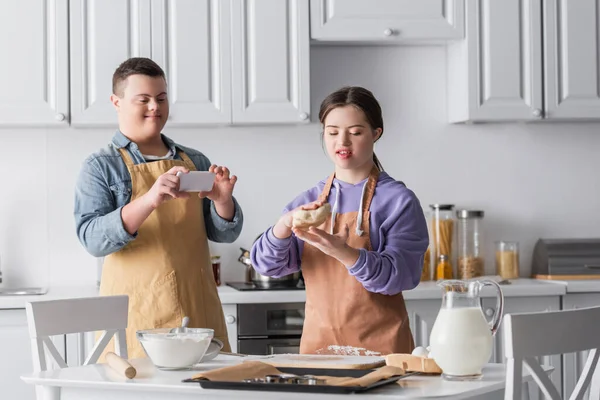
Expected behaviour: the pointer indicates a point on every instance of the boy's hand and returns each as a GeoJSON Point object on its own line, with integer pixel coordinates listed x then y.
{"type": "Point", "coordinates": [222, 190]}
{"type": "Point", "coordinates": [166, 187]}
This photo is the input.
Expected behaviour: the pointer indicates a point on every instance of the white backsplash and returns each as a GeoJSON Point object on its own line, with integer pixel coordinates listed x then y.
{"type": "Point", "coordinates": [537, 180]}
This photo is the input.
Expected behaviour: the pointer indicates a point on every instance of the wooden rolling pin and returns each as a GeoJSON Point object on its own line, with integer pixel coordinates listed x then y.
{"type": "Point", "coordinates": [120, 365]}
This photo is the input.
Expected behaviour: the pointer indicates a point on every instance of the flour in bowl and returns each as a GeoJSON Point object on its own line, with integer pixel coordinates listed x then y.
{"type": "Point", "coordinates": [176, 351]}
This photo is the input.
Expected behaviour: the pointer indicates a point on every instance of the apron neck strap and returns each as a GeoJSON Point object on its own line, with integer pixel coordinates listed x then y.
{"type": "Point", "coordinates": [129, 161]}
{"type": "Point", "coordinates": [187, 160]}
{"type": "Point", "coordinates": [370, 192]}
{"type": "Point", "coordinates": [327, 188]}
{"type": "Point", "coordinates": [126, 158]}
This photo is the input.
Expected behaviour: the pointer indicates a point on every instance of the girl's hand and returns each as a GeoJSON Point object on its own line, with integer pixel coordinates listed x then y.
{"type": "Point", "coordinates": [283, 227]}
{"type": "Point", "coordinates": [333, 245]}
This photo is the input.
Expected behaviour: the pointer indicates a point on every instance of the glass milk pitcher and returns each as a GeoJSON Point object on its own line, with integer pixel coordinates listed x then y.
{"type": "Point", "coordinates": [461, 338]}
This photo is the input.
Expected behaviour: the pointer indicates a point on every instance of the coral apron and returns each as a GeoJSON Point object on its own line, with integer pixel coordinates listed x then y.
{"type": "Point", "coordinates": [341, 316]}
{"type": "Point", "coordinates": [166, 270]}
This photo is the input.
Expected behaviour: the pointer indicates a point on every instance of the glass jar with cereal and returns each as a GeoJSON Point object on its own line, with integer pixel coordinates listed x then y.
{"type": "Point", "coordinates": [470, 262]}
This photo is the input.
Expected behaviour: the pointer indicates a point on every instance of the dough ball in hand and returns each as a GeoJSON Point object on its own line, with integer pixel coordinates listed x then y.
{"type": "Point", "coordinates": [306, 218]}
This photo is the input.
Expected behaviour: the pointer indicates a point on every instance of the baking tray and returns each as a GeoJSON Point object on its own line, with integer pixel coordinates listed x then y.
{"type": "Point", "coordinates": [286, 387]}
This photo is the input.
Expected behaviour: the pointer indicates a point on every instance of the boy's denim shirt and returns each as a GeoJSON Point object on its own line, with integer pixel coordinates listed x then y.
{"type": "Point", "coordinates": [104, 187]}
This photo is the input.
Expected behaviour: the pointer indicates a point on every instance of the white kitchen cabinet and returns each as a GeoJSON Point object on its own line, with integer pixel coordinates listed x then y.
{"type": "Point", "coordinates": [572, 59]}
{"type": "Point", "coordinates": [35, 54]}
{"type": "Point", "coordinates": [191, 42]}
{"type": "Point", "coordinates": [421, 316]}
{"type": "Point", "coordinates": [387, 21]}
{"type": "Point", "coordinates": [102, 35]}
{"type": "Point", "coordinates": [270, 61]}
{"type": "Point", "coordinates": [230, 312]}
{"type": "Point", "coordinates": [521, 305]}
{"type": "Point", "coordinates": [573, 363]}
{"type": "Point", "coordinates": [495, 74]}
{"type": "Point", "coordinates": [15, 355]}
{"type": "Point", "coordinates": [226, 61]}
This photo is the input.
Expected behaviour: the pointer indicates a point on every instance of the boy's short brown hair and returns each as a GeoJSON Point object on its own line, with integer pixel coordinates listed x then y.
{"type": "Point", "coordinates": [134, 66]}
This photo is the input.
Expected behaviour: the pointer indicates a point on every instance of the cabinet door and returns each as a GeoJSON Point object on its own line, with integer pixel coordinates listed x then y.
{"type": "Point", "coordinates": [103, 34]}
{"type": "Point", "coordinates": [230, 312]}
{"type": "Point", "coordinates": [270, 40]}
{"type": "Point", "coordinates": [573, 363]}
{"type": "Point", "coordinates": [422, 315]}
{"type": "Point", "coordinates": [15, 359]}
{"type": "Point", "coordinates": [495, 73]}
{"type": "Point", "coordinates": [520, 305]}
{"type": "Point", "coordinates": [191, 42]}
{"type": "Point", "coordinates": [15, 355]}
{"type": "Point", "coordinates": [387, 20]}
{"type": "Point", "coordinates": [572, 59]}
{"type": "Point", "coordinates": [34, 48]}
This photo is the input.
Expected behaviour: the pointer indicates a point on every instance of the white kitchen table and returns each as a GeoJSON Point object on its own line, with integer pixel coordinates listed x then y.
{"type": "Point", "coordinates": [95, 382]}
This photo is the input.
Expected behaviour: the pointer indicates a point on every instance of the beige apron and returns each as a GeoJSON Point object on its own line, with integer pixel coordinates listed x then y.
{"type": "Point", "coordinates": [339, 310]}
{"type": "Point", "coordinates": [166, 270]}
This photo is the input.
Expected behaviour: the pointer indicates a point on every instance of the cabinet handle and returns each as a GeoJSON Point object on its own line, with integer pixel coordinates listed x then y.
{"type": "Point", "coordinates": [230, 319]}
{"type": "Point", "coordinates": [304, 116]}
{"type": "Point", "coordinates": [59, 117]}
{"type": "Point", "coordinates": [489, 312]}
{"type": "Point", "coordinates": [537, 112]}
{"type": "Point", "coordinates": [388, 32]}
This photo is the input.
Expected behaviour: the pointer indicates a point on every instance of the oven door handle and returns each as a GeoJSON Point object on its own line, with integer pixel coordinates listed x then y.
{"type": "Point", "coordinates": [283, 348]}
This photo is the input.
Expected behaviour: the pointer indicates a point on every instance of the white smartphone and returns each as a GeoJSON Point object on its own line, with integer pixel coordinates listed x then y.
{"type": "Point", "coordinates": [196, 181]}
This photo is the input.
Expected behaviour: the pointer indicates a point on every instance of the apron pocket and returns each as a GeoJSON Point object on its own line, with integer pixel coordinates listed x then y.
{"type": "Point", "coordinates": [156, 306]}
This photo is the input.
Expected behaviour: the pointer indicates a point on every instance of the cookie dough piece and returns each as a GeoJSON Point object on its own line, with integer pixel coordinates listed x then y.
{"type": "Point", "coordinates": [307, 218]}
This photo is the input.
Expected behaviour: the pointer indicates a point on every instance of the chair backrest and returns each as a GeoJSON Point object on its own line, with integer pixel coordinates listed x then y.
{"type": "Point", "coordinates": [61, 317]}
{"type": "Point", "coordinates": [531, 335]}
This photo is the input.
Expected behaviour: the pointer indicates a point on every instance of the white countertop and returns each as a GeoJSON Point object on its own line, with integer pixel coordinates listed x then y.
{"type": "Point", "coordinates": [580, 286]}
{"type": "Point", "coordinates": [99, 381]}
{"type": "Point", "coordinates": [53, 293]}
{"type": "Point", "coordinates": [425, 291]}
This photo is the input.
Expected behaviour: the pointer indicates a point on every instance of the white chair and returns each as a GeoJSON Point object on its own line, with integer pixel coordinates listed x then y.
{"type": "Point", "coordinates": [61, 317]}
{"type": "Point", "coordinates": [531, 335]}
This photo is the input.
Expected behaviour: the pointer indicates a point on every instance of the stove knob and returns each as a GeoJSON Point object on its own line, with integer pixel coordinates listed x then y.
{"type": "Point", "coordinates": [230, 319]}
{"type": "Point", "coordinates": [489, 312]}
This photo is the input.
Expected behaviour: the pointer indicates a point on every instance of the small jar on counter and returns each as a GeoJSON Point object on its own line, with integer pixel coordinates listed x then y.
{"type": "Point", "coordinates": [471, 263]}
{"type": "Point", "coordinates": [216, 267]}
{"type": "Point", "coordinates": [507, 259]}
{"type": "Point", "coordinates": [443, 269]}
{"type": "Point", "coordinates": [441, 233]}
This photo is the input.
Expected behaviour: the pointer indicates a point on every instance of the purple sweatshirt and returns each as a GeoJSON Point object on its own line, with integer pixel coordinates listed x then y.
{"type": "Point", "coordinates": [398, 233]}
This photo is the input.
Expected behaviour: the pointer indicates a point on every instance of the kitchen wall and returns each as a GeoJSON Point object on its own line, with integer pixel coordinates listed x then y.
{"type": "Point", "coordinates": [532, 180]}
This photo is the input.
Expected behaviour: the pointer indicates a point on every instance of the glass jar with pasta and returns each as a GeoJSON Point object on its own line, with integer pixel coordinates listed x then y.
{"type": "Point", "coordinates": [441, 232]}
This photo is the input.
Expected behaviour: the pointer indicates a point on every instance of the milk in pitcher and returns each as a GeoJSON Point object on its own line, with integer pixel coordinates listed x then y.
{"type": "Point", "coordinates": [461, 341]}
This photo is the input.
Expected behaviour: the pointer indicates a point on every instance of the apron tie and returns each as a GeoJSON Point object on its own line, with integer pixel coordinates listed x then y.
{"type": "Point", "coordinates": [359, 220]}
{"type": "Point", "coordinates": [335, 206]}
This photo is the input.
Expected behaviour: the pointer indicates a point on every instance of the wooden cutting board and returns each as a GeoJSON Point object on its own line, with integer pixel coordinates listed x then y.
{"type": "Point", "coordinates": [320, 361]}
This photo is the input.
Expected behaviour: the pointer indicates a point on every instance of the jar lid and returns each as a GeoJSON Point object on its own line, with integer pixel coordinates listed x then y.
{"type": "Point", "coordinates": [445, 207]}
{"type": "Point", "coordinates": [464, 214]}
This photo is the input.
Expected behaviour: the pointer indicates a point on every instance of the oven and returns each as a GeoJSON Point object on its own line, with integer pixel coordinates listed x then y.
{"type": "Point", "coordinates": [269, 328]}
